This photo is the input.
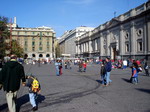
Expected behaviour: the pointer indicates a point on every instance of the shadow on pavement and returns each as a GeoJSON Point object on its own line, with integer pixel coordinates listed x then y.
{"type": "Point", "coordinates": [3, 107]}
{"type": "Point", "coordinates": [127, 80]}
{"type": "Point", "coordinates": [144, 90]}
{"type": "Point", "coordinates": [99, 81]}
{"type": "Point", "coordinates": [22, 100]}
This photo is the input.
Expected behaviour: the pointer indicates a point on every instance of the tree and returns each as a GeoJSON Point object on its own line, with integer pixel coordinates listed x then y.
{"type": "Point", "coordinates": [4, 34]}
{"type": "Point", "coordinates": [57, 49]}
{"type": "Point", "coordinates": [16, 49]}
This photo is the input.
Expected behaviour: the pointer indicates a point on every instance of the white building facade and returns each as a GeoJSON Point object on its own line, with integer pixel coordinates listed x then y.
{"type": "Point", "coordinates": [123, 37]}
{"type": "Point", "coordinates": [67, 40]}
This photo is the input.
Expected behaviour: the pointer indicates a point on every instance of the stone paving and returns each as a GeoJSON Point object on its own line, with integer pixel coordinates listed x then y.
{"type": "Point", "coordinates": [82, 92]}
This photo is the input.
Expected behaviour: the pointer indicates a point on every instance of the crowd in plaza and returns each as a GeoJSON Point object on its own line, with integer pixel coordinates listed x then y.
{"type": "Point", "coordinates": [12, 74]}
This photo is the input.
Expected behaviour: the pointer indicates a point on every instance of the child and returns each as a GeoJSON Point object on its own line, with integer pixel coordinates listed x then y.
{"type": "Point", "coordinates": [84, 66]}
{"type": "Point", "coordinates": [34, 88]}
{"type": "Point", "coordinates": [103, 73]}
{"type": "Point", "coordinates": [134, 77]}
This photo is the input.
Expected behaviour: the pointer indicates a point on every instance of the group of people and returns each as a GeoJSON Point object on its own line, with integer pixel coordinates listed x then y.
{"type": "Point", "coordinates": [82, 66]}
{"type": "Point", "coordinates": [106, 68]}
{"type": "Point", "coordinates": [11, 75]}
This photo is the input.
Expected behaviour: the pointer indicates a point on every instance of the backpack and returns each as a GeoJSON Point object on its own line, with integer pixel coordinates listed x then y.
{"type": "Point", "coordinates": [35, 86]}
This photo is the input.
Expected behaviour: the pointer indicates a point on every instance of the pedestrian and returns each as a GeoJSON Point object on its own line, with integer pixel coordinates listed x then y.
{"type": "Point", "coordinates": [84, 66]}
{"type": "Point", "coordinates": [57, 65]}
{"type": "Point", "coordinates": [146, 68]}
{"type": "Point", "coordinates": [108, 67]}
{"type": "Point", "coordinates": [34, 89]}
{"type": "Point", "coordinates": [103, 73]}
{"type": "Point", "coordinates": [134, 76]}
{"type": "Point", "coordinates": [80, 66]}
{"type": "Point", "coordinates": [125, 63]}
{"type": "Point", "coordinates": [60, 67]}
{"type": "Point", "coordinates": [10, 76]}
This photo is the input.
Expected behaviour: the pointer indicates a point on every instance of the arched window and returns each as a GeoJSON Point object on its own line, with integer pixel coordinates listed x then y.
{"type": "Point", "coordinates": [40, 55]}
{"type": "Point", "coordinates": [47, 55]}
{"type": "Point", "coordinates": [33, 55]}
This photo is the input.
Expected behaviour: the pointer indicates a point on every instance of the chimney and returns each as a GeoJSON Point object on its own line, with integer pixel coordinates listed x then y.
{"type": "Point", "coordinates": [15, 21]}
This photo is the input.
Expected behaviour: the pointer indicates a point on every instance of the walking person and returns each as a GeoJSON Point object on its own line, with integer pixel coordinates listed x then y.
{"type": "Point", "coordinates": [10, 76]}
{"type": "Point", "coordinates": [146, 68]}
{"type": "Point", "coordinates": [60, 67]}
{"type": "Point", "coordinates": [103, 73]}
{"type": "Point", "coordinates": [134, 76]}
{"type": "Point", "coordinates": [34, 89]}
{"type": "Point", "coordinates": [57, 65]}
{"type": "Point", "coordinates": [80, 66]}
{"type": "Point", "coordinates": [84, 66]}
{"type": "Point", "coordinates": [108, 67]}
{"type": "Point", "coordinates": [125, 63]}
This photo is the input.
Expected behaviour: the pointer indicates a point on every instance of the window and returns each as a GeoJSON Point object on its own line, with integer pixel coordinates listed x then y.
{"type": "Point", "coordinates": [140, 46]}
{"type": "Point", "coordinates": [40, 48]}
{"type": "Point", "coordinates": [127, 47]}
{"type": "Point", "coordinates": [33, 38]}
{"type": "Point", "coordinates": [47, 48]}
{"type": "Point", "coordinates": [47, 43]}
{"type": "Point", "coordinates": [25, 49]}
{"type": "Point", "coordinates": [33, 43]}
{"type": "Point", "coordinates": [40, 43]}
{"type": "Point", "coordinates": [25, 43]}
{"type": "Point", "coordinates": [33, 48]}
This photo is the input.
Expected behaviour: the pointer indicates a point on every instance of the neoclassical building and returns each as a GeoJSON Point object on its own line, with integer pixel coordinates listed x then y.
{"type": "Point", "coordinates": [125, 36]}
{"type": "Point", "coordinates": [38, 43]}
{"type": "Point", "coordinates": [67, 40]}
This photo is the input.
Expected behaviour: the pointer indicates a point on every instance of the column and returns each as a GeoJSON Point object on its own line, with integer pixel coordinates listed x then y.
{"type": "Point", "coordinates": [133, 40]}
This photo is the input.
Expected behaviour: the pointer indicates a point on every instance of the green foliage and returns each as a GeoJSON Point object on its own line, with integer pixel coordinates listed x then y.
{"type": "Point", "coordinates": [4, 34]}
{"type": "Point", "coordinates": [16, 49]}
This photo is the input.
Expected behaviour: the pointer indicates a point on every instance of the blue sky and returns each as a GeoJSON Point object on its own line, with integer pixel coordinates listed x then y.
{"type": "Point", "coordinates": [64, 15]}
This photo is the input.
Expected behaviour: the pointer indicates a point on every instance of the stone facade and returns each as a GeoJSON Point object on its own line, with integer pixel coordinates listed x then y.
{"type": "Point", "coordinates": [123, 37]}
{"type": "Point", "coordinates": [38, 43]}
{"type": "Point", "coordinates": [67, 41]}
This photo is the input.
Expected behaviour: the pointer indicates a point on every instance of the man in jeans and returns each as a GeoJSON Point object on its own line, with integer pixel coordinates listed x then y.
{"type": "Point", "coordinates": [108, 67]}
{"type": "Point", "coordinates": [10, 77]}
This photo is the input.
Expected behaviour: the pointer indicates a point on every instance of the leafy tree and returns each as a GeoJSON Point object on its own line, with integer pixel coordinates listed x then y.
{"type": "Point", "coordinates": [57, 50]}
{"type": "Point", "coordinates": [4, 34]}
{"type": "Point", "coordinates": [16, 49]}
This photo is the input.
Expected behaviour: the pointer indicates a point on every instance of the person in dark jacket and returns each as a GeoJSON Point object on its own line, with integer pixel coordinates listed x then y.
{"type": "Point", "coordinates": [103, 73]}
{"type": "Point", "coordinates": [10, 77]}
{"type": "Point", "coordinates": [108, 67]}
{"type": "Point", "coordinates": [32, 94]}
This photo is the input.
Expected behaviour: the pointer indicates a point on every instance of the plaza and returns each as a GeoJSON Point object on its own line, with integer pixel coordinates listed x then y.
{"type": "Point", "coordinates": [82, 92]}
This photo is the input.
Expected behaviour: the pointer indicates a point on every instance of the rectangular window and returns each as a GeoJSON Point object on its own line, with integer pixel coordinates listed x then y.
{"type": "Point", "coordinates": [33, 48]}
{"type": "Point", "coordinates": [140, 46]}
{"type": "Point", "coordinates": [33, 43]}
{"type": "Point", "coordinates": [47, 48]}
{"type": "Point", "coordinates": [127, 47]}
{"type": "Point", "coordinates": [40, 48]}
{"type": "Point", "coordinates": [26, 43]}
{"type": "Point", "coordinates": [47, 43]}
{"type": "Point", "coordinates": [25, 49]}
{"type": "Point", "coordinates": [40, 43]}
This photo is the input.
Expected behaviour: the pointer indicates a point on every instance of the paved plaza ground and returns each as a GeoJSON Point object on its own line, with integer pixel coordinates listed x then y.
{"type": "Point", "coordinates": [82, 92]}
